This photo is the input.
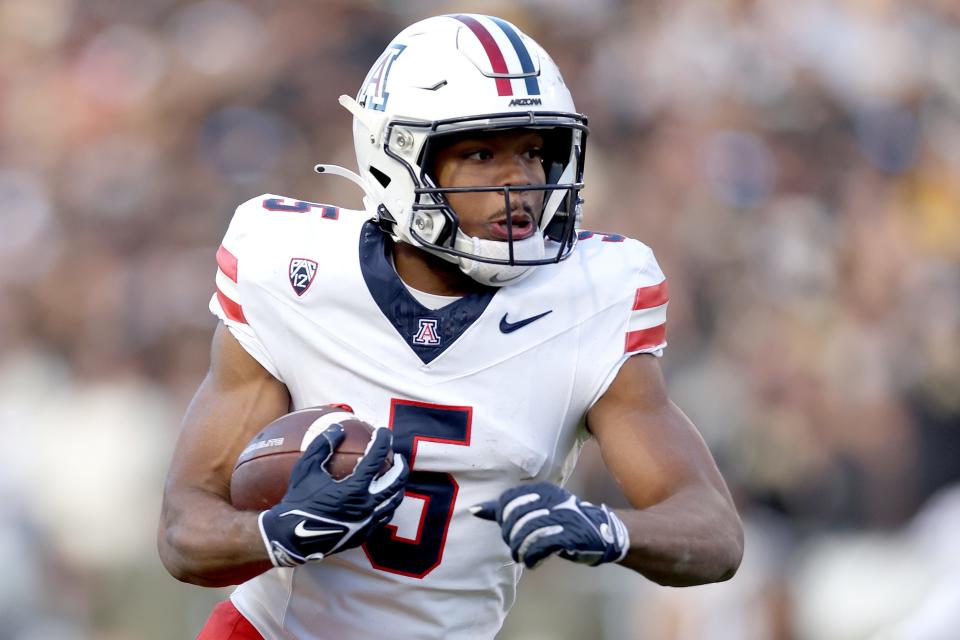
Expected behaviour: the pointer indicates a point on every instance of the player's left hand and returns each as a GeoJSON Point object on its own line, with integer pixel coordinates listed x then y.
{"type": "Point", "coordinates": [541, 519]}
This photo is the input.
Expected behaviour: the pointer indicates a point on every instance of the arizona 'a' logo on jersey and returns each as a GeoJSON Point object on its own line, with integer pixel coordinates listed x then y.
{"type": "Point", "coordinates": [427, 333]}
{"type": "Point", "coordinates": [302, 272]}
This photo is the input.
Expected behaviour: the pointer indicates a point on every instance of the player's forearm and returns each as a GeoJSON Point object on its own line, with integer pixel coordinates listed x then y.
{"type": "Point", "coordinates": [203, 540]}
{"type": "Point", "coordinates": [694, 537]}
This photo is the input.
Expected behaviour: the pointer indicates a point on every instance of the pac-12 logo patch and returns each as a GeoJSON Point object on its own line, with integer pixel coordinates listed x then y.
{"type": "Point", "coordinates": [427, 334]}
{"type": "Point", "coordinates": [301, 274]}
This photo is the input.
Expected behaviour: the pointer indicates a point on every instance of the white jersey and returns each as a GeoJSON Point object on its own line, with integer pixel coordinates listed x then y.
{"type": "Point", "coordinates": [483, 394]}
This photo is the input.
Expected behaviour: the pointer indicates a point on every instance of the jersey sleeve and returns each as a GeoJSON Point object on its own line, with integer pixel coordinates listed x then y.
{"type": "Point", "coordinates": [636, 322]}
{"type": "Point", "coordinates": [646, 330]}
{"type": "Point", "coordinates": [227, 302]}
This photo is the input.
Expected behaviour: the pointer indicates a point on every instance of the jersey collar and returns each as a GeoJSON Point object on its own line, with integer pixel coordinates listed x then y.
{"type": "Point", "coordinates": [427, 332]}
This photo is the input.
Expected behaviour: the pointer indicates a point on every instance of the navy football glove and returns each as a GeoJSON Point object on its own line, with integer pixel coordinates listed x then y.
{"type": "Point", "coordinates": [538, 520]}
{"type": "Point", "coordinates": [319, 515]}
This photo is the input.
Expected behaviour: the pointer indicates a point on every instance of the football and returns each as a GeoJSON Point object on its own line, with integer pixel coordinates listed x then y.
{"type": "Point", "coordinates": [262, 472]}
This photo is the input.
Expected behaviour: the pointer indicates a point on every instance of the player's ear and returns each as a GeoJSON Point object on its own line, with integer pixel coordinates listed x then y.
{"type": "Point", "coordinates": [553, 171]}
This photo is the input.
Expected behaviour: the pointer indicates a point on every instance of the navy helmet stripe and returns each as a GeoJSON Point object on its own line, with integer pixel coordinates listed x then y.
{"type": "Point", "coordinates": [526, 63]}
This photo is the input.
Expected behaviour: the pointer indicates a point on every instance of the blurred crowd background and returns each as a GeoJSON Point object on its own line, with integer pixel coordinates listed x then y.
{"type": "Point", "coordinates": [794, 165]}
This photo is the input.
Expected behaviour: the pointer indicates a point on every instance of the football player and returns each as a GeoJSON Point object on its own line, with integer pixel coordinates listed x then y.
{"type": "Point", "coordinates": [465, 311]}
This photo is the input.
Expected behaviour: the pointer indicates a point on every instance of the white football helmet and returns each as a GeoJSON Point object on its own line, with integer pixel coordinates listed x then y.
{"type": "Point", "coordinates": [456, 74]}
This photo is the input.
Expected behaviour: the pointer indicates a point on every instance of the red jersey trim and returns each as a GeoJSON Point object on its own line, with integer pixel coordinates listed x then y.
{"type": "Point", "coordinates": [649, 297]}
{"type": "Point", "coordinates": [226, 623]}
{"type": "Point", "coordinates": [645, 338]}
{"type": "Point", "coordinates": [227, 263]}
{"type": "Point", "coordinates": [233, 310]}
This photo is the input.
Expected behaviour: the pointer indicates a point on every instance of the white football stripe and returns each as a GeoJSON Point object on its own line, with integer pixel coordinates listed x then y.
{"type": "Point", "coordinates": [646, 318]}
{"type": "Point", "coordinates": [321, 424]}
{"type": "Point", "coordinates": [373, 438]}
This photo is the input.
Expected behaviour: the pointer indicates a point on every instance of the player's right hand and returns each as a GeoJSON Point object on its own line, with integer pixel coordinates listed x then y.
{"type": "Point", "coordinates": [319, 515]}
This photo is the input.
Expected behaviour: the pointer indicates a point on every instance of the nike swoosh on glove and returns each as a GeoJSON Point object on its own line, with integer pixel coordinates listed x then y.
{"type": "Point", "coordinates": [318, 515]}
{"type": "Point", "coordinates": [542, 519]}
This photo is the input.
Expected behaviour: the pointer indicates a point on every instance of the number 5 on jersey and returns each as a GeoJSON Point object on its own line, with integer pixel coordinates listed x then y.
{"type": "Point", "coordinates": [410, 553]}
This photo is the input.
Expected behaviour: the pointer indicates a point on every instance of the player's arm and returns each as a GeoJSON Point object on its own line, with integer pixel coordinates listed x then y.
{"type": "Point", "coordinates": [205, 541]}
{"type": "Point", "coordinates": [202, 539]}
{"type": "Point", "coordinates": [684, 528]}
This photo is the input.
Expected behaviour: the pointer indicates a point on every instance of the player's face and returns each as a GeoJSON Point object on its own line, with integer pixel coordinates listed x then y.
{"type": "Point", "coordinates": [511, 157]}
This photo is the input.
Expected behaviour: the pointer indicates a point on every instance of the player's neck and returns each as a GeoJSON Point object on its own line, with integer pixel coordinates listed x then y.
{"type": "Point", "coordinates": [431, 274]}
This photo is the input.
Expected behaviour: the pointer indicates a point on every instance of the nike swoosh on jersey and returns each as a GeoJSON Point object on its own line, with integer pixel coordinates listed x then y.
{"type": "Point", "coordinates": [508, 327]}
{"type": "Point", "coordinates": [303, 532]}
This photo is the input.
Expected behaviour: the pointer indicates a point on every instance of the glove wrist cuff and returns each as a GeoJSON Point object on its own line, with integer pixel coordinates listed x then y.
{"type": "Point", "coordinates": [620, 535]}
{"type": "Point", "coordinates": [280, 556]}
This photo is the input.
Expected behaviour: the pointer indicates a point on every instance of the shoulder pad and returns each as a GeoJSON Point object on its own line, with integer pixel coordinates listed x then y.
{"type": "Point", "coordinates": [624, 273]}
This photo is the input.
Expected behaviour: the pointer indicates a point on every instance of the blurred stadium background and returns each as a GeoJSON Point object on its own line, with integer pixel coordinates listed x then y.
{"type": "Point", "coordinates": [795, 165]}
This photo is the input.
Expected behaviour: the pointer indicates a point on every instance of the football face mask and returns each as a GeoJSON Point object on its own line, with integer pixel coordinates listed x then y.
{"type": "Point", "coordinates": [536, 220]}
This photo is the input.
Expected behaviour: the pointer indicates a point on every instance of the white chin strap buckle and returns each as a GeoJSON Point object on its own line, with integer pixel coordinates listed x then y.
{"type": "Point", "coordinates": [499, 275]}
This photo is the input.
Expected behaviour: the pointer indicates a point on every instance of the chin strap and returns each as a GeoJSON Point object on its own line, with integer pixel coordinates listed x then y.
{"type": "Point", "coordinates": [493, 274]}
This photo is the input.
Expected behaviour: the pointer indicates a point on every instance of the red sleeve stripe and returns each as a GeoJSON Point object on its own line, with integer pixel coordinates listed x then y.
{"type": "Point", "coordinates": [645, 338]}
{"type": "Point", "coordinates": [648, 297]}
{"type": "Point", "coordinates": [232, 310]}
{"type": "Point", "coordinates": [227, 263]}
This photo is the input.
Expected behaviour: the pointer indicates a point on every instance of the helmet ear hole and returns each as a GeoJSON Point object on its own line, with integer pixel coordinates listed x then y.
{"type": "Point", "coordinates": [557, 224]}
{"type": "Point", "coordinates": [381, 177]}
{"type": "Point", "coordinates": [554, 171]}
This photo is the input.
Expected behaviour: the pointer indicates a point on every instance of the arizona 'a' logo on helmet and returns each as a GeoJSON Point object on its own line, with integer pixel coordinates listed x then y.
{"type": "Point", "coordinates": [373, 94]}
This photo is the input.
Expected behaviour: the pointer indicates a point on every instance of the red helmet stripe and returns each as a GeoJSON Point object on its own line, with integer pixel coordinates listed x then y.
{"type": "Point", "coordinates": [490, 45]}
{"type": "Point", "coordinates": [526, 62]}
